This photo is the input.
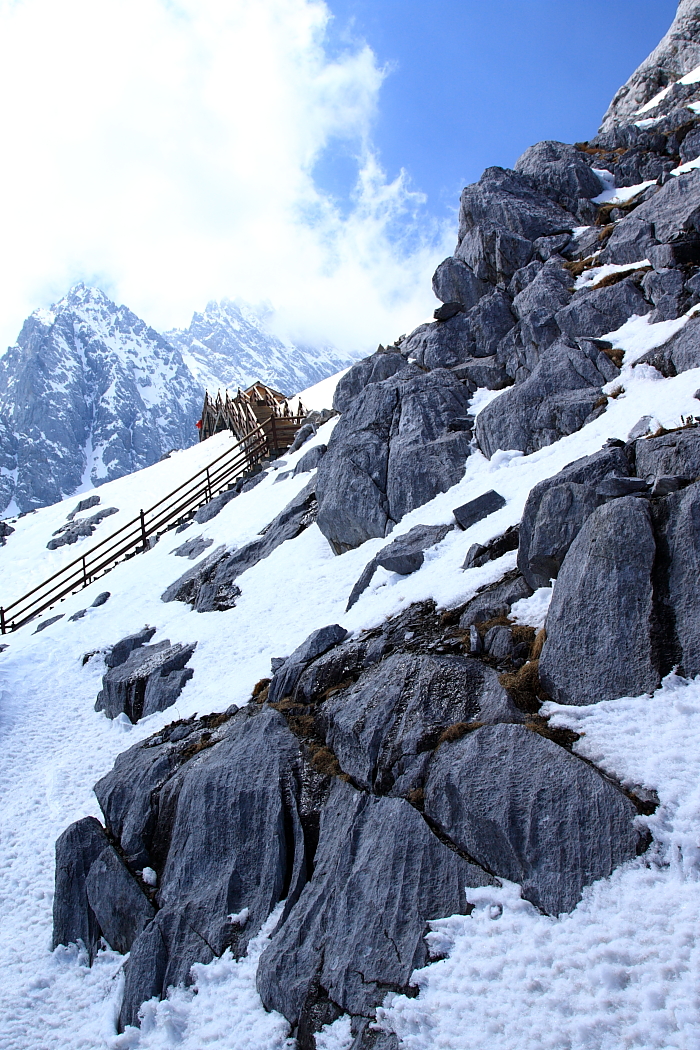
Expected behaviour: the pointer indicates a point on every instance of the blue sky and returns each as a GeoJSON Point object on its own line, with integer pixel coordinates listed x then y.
{"type": "Point", "coordinates": [475, 82]}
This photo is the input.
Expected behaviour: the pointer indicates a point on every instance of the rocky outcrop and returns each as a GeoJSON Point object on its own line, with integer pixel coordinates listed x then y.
{"type": "Point", "coordinates": [506, 777]}
{"type": "Point", "coordinates": [150, 679]}
{"type": "Point", "coordinates": [210, 585]}
{"type": "Point", "coordinates": [678, 53]}
{"type": "Point", "coordinates": [557, 399]}
{"type": "Point", "coordinates": [373, 779]}
{"type": "Point", "coordinates": [390, 452]}
{"type": "Point", "coordinates": [404, 556]}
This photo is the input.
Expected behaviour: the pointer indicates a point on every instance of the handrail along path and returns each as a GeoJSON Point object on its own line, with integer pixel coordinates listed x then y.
{"type": "Point", "coordinates": [134, 537]}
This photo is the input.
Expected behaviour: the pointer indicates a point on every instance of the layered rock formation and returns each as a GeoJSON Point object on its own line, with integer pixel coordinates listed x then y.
{"type": "Point", "coordinates": [374, 779]}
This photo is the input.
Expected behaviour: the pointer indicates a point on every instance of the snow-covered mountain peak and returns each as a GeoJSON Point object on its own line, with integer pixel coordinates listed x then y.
{"type": "Point", "coordinates": [228, 345]}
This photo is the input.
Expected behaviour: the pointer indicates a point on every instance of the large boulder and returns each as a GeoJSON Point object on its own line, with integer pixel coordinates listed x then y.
{"type": "Point", "coordinates": [285, 680]}
{"type": "Point", "coordinates": [674, 212]}
{"type": "Point", "coordinates": [357, 931]}
{"type": "Point", "coordinates": [677, 453]}
{"type": "Point", "coordinates": [538, 302]}
{"type": "Point", "coordinates": [555, 400]}
{"type": "Point", "coordinates": [370, 370]}
{"type": "Point", "coordinates": [454, 282]}
{"type": "Point", "coordinates": [211, 870]}
{"type": "Point", "coordinates": [560, 171]}
{"type": "Point", "coordinates": [391, 452]}
{"type": "Point", "coordinates": [506, 199]}
{"type": "Point", "coordinates": [396, 711]}
{"type": "Point", "coordinates": [556, 510]}
{"type": "Point", "coordinates": [601, 310]}
{"type": "Point", "coordinates": [528, 811]}
{"type": "Point", "coordinates": [680, 353]}
{"type": "Point", "coordinates": [404, 555]}
{"type": "Point", "coordinates": [678, 540]}
{"type": "Point", "coordinates": [119, 904]}
{"type": "Point", "coordinates": [149, 680]}
{"type": "Point", "coordinates": [603, 603]}
{"type": "Point", "coordinates": [76, 850]}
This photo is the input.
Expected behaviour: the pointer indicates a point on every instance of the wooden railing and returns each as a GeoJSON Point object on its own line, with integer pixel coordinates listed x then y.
{"type": "Point", "coordinates": [135, 537]}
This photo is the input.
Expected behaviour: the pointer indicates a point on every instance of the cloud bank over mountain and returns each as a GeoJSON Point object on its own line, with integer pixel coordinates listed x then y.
{"type": "Point", "coordinates": [165, 151]}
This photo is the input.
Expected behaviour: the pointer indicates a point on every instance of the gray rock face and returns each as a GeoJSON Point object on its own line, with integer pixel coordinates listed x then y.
{"type": "Point", "coordinates": [632, 241]}
{"type": "Point", "coordinates": [397, 710]}
{"type": "Point", "coordinates": [149, 680]}
{"type": "Point", "coordinates": [463, 336]}
{"type": "Point", "coordinates": [357, 929]}
{"type": "Point", "coordinates": [404, 555]}
{"type": "Point", "coordinates": [537, 304]}
{"type": "Point", "coordinates": [390, 453]}
{"type": "Point", "coordinates": [525, 808]}
{"type": "Point", "coordinates": [73, 918]}
{"type": "Point", "coordinates": [215, 506]}
{"type": "Point", "coordinates": [311, 460]}
{"type": "Point", "coordinates": [479, 508]}
{"type": "Point", "coordinates": [214, 869]}
{"type": "Point", "coordinates": [556, 510]}
{"type": "Point", "coordinates": [559, 171]}
{"type": "Point", "coordinates": [555, 400]}
{"type": "Point", "coordinates": [680, 353]}
{"type": "Point", "coordinates": [495, 600]}
{"type": "Point", "coordinates": [302, 435]}
{"type": "Point", "coordinates": [210, 586]}
{"type": "Point", "coordinates": [604, 601]}
{"type": "Point", "coordinates": [598, 311]}
{"type": "Point", "coordinates": [678, 534]}
{"type": "Point", "coordinates": [677, 453]}
{"type": "Point", "coordinates": [480, 554]}
{"type": "Point", "coordinates": [507, 199]}
{"type": "Point", "coordinates": [677, 54]}
{"type": "Point", "coordinates": [89, 375]}
{"type": "Point", "coordinates": [192, 548]}
{"type": "Point", "coordinates": [285, 680]}
{"type": "Point", "coordinates": [374, 369]}
{"type": "Point", "coordinates": [120, 652]}
{"type": "Point", "coordinates": [674, 212]}
{"type": "Point", "coordinates": [453, 281]}
{"type": "Point", "coordinates": [71, 533]}
{"type": "Point", "coordinates": [117, 901]}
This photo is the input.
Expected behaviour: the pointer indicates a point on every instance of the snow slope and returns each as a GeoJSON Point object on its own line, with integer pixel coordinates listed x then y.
{"type": "Point", "coordinates": [621, 970]}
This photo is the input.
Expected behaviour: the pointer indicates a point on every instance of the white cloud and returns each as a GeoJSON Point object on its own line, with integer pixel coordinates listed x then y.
{"type": "Point", "coordinates": [164, 149]}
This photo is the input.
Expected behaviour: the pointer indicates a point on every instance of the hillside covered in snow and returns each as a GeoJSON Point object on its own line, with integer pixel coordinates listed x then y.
{"type": "Point", "coordinates": [91, 393]}
{"type": "Point", "coordinates": [398, 749]}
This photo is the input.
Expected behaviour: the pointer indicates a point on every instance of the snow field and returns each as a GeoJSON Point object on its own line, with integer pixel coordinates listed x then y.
{"type": "Point", "coordinates": [516, 980]}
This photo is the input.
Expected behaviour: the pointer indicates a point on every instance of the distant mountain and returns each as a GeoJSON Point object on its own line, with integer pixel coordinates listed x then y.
{"type": "Point", "coordinates": [88, 394]}
{"type": "Point", "coordinates": [228, 345]}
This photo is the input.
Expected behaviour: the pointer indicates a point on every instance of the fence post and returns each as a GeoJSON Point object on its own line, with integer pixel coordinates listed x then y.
{"type": "Point", "coordinates": [274, 434]}
{"type": "Point", "coordinates": [144, 537]}
{"type": "Point", "coordinates": [85, 579]}
{"type": "Point", "coordinates": [208, 485]}
{"type": "Point", "coordinates": [2, 620]}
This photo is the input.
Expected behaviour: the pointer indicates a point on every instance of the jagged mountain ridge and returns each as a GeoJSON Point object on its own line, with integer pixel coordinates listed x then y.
{"type": "Point", "coordinates": [90, 392]}
{"type": "Point", "coordinates": [227, 345]}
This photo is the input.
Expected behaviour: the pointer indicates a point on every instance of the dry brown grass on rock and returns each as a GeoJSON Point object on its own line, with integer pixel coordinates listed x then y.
{"type": "Point", "coordinates": [564, 737]}
{"type": "Point", "coordinates": [456, 731]}
{"type": "Point", "coordinates": [524, 687]}
{"type": "Point", "coordinates": [260, 688]}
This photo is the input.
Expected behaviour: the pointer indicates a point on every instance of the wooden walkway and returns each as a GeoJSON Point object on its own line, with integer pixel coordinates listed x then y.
{"type": "Point", "coordinates": [136, 536]}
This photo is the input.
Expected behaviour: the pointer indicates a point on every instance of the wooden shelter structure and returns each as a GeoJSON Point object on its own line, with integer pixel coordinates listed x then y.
{"type": "Point", "coordinates": [259, 405]}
